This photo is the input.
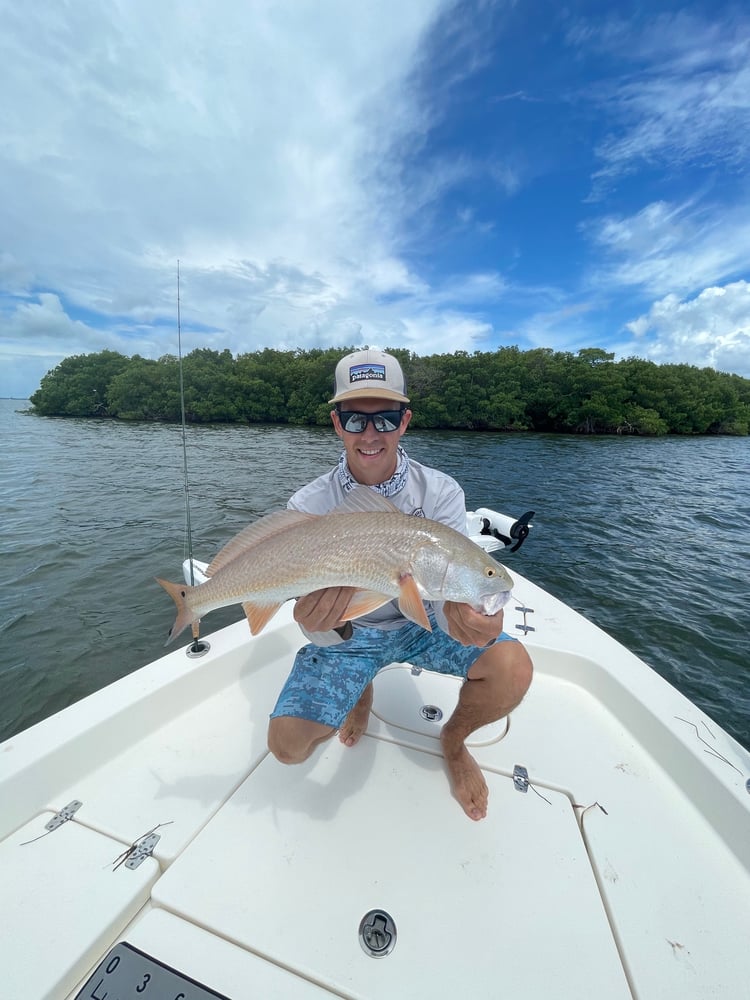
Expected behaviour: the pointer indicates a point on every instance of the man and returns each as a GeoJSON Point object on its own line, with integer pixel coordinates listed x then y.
{"type": "Point", "coordinates": [330, 686]}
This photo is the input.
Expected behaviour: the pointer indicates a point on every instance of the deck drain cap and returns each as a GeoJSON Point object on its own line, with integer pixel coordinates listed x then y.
{"type": "Point", "coordinates": [431, 712]}
{"type": "Point", "coordinates": [377, 934]}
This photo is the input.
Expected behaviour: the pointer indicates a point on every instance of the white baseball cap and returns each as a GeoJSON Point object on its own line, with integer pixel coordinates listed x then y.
{"type": "Point", "coordinates": [369, 373]}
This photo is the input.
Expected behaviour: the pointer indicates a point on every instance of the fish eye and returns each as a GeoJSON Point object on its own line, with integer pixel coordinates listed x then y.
{"type": "Point", "coordinates": [489, 571]}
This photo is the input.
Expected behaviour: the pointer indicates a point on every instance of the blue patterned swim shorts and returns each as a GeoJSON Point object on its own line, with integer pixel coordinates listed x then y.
{"type": "Point", "coordinates": [326, 681]}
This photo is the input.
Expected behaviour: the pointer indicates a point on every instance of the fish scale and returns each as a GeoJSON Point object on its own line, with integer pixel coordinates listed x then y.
{"type": "Point", "coordinates": [362, 550]}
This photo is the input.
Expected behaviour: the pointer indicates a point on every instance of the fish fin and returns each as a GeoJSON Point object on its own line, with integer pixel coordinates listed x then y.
{"type": "Point", "coordinates": [364, 500]}
{"type": "Point", "coordinates": [364, 602]}
{"type": "Point", "coordinates": [253, 534]}
{"type": "Point", "coordinates": [410, 603]}
{"type": "Point", "coordinates": [259, 615]}
{"type": "Point", "coordinates": [178, 592]}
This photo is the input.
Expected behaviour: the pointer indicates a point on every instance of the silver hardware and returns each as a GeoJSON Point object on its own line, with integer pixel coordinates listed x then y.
{"type": "Point", "coordinates": [142, 849]}
{"type": "Point", "coordinates": [415, 671]}
{"type": "Point", "coordinates": [377, 933]}
{"type": "Point", "coordinates": [66, 813]}
{"type": "Point", "coordinates": [197, 649]}
{"type": "Point", "coordinates": [525, 628]}
{"type": "Point", "coordinates": [520, 778]}
{"type": "Point", "coordinates": [431, 712]}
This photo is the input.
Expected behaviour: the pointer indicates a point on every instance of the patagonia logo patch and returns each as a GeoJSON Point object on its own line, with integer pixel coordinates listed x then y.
{"type": "Point", "coordinates": [367, 373]}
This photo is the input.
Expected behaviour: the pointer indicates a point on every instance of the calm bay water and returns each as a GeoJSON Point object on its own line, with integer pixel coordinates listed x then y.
{"type": "Point", "coordinates": [649, 538]}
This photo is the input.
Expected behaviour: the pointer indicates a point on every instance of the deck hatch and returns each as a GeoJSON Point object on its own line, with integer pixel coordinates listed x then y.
{"type": "Point", "coordinates": [323, 842]}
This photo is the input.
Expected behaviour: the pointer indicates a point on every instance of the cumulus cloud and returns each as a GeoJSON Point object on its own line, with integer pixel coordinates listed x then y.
{"type": "Point", "coordinates": [710, 330]}
{"type": "Point", "coordinates": [680, 254]}
{"type": "Point", "coordinates": [258, 144]}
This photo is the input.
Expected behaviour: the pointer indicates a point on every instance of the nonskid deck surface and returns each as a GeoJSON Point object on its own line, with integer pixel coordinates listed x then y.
{"type": "Point", "coordinates": [619, 871]}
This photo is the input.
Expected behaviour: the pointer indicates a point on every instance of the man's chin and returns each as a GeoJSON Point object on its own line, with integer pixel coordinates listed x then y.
{"type": "Point", "coordinates": [370, 471]}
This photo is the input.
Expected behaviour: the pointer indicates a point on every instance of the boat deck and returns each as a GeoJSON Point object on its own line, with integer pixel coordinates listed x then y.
{"type": "Point", "coordinates": [621, 869]}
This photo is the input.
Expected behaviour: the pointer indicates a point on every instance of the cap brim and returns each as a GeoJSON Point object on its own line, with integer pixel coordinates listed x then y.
{"type": "Point", "coordinates": [374, 393]}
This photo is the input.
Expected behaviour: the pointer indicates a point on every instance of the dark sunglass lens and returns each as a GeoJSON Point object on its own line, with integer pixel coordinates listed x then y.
{"type": "Point", "coordinates": [355, 423]}
{"type": "Point", "coordinates": [386, 421]}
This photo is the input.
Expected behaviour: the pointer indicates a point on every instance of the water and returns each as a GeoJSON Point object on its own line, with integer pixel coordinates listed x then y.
{"type": "Point", "coordinates": [649, 538]}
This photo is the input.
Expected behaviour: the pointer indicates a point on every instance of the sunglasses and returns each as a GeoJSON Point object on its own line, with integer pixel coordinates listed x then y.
{"type": "Point", "coordinates": [383, 422]}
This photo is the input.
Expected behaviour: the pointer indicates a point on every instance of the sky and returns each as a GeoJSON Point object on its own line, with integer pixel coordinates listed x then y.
{"type": "Point", "coordinates": [431, 175]}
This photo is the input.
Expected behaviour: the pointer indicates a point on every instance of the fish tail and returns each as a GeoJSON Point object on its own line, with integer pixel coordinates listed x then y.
{"type": "Point", "coordinates": [178, 592]}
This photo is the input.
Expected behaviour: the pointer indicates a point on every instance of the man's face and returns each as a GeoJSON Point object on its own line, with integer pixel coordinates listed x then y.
{"type": "Point", "coordinates": [372, 455]}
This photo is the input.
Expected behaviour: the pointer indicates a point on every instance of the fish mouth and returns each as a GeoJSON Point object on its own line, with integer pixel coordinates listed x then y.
{"type": "Point", "coordinates": [492, 603]}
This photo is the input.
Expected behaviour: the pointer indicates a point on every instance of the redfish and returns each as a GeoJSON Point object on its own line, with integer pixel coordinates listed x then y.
{"type": "Point", "coordinates": [365, 543]}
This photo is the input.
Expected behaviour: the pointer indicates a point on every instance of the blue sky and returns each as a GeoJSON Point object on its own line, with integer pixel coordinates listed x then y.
{"type": "Point", "coordinates": [432, 175]}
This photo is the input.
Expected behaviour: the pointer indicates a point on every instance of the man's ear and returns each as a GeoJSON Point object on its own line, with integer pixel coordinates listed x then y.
{"type": "Point", "coordinates": [336, 421]}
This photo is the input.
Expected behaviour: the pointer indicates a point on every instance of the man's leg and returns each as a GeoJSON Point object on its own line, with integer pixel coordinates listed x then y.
{"type": "Point", "coordinates": [292, 740]}
{"type": "Point", "coordinates": [495, 684]}
{"type": "Point", "coordinates": [328, 689]}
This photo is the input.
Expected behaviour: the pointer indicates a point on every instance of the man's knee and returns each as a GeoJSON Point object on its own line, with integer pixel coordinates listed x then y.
{"type": "Point", "coordinates": [291, 740]}
{"type": "Point", "coordinates": [507, 664]}
{"type": "Point", "coordinates": [285, 754]}
{"type": "Point", "coordinates": [519, 663]}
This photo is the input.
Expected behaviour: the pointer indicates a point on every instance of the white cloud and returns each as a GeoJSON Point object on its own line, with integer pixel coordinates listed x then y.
{"type": "Point", "coordinates": [683, 93]}
{"type": "Point", "coordinates": [282, 151]}
{"type": "Point", "coordinates": [672, 247]}
{"type": "Point", "coordinates": [562, 327]}
{"type": "Point", "coordinates": [257, 143]}
{"type": "Point", "coordinates": [710, 330]}
{"type": "Point", "coordinates": [37, 333]}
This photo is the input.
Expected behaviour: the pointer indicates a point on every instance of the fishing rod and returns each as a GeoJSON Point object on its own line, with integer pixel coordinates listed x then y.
{"type": "Point", "coordinates": [186, 478]}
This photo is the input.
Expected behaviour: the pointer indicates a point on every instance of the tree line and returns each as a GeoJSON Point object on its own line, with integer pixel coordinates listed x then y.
{"type": "Point", "coordinates": [587, 392]}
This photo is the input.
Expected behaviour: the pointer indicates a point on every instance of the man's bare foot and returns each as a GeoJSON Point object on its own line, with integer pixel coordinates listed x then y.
{"type": "Point", "coordinates": [356, 721]}
{"type": "Point", "coordinates": [467, 781]}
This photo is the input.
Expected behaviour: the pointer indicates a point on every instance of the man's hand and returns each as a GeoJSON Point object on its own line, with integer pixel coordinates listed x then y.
{"type": "Point", "coordinates": [321, 610]}
{"type": "Point", "coordinates": [470, 627]}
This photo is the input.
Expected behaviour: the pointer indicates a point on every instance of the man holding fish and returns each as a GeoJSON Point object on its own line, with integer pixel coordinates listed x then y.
{"type": "Point", "coordinates": [375, 553]}
{"type": "Point", "coordinates": [330, 686]}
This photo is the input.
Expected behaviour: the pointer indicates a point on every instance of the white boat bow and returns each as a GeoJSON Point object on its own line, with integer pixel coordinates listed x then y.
{"type": "Point", "coordinates": [150, 845]}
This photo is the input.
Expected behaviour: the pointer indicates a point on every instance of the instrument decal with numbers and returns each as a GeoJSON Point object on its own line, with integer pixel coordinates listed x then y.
{"type": "Point", "coordinates": [126, 973]}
